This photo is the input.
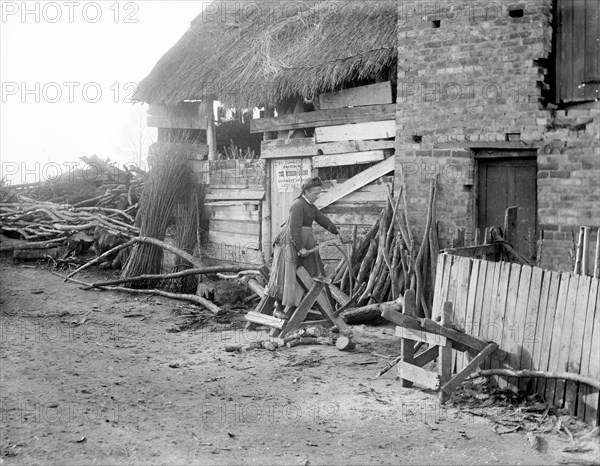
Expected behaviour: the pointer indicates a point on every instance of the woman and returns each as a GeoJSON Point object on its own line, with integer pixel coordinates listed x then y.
{"type": "Point", "coordinates": [292, 245]}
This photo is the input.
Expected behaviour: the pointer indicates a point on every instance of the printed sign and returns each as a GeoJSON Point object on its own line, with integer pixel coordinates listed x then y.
{"type": "Point", "coordinates": [289, 175]}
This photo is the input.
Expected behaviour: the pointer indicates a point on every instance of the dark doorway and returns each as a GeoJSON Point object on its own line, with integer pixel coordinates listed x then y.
{"type": "Point", "coordinates": [504, 180]}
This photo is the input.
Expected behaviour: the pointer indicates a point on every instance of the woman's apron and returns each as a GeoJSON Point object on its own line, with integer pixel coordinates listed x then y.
{"type": "Point", "coordinates": [283, 284]}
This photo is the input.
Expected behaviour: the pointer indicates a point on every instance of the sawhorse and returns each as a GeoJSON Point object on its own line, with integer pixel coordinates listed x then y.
{"type": "Point", "coordinates": [317, 292]}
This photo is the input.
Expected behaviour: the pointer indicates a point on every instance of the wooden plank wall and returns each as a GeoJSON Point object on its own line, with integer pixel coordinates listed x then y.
{"type": "Point", "coordinates": [353, 126]}
{"type": "Point", "coordinates": [234, 199]}
{"type": "Point", "coordinates": [547, 321]}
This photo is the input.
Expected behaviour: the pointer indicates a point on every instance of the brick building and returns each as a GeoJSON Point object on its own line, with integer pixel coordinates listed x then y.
{"type": "Point", "coordinates": [501, 98]}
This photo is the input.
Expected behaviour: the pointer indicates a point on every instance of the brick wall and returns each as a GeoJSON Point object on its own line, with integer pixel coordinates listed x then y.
{"type": "Point", "coordinates": [472, 74]}
{"type": "Point", "coordinates": [569, 181]}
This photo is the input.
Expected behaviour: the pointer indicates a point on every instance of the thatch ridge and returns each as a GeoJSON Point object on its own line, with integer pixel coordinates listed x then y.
{"type": "Point", "coordinates": [268, 54]}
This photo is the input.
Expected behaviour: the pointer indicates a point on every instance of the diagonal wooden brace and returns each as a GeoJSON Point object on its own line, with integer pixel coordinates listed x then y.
{"type": "Point", "coordinates": [461, 341]}
{"type": "Point", "coordinates": [459, 378]}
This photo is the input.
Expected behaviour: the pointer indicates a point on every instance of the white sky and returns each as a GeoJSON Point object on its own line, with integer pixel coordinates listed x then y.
{"type": "Point", "coordinates": [41, 48]}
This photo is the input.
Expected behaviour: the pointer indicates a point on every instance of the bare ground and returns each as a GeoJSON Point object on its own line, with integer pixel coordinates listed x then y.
{"type": "Point", "coordinates": [90, 377]}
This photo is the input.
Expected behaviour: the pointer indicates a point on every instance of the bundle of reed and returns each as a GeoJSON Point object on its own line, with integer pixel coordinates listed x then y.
{"type": "Point", "coordinates": [189, 214]}
{"type": "Point", "coordinates": [387, 261]}
{"type": "Point", "coordinates": [166, 185]}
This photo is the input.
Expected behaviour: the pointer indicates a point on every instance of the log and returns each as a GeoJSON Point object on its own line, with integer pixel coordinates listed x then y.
{"type": "Point", "coordinates": [304, 341]}
{"type": "Point", "coordinates": [344, 343]}
{"type": "Point", "coordinates": [264, 319]}
{"type": "Point", "coordinates": [22, 245]}
{"type": "Point", "coordinates": [592, 382]}
{"type": "Point", "coordinates": [372, 311]}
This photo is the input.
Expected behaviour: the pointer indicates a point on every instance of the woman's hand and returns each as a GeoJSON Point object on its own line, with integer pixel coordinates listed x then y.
{"type": "Point", "coordinates": [303, 252]}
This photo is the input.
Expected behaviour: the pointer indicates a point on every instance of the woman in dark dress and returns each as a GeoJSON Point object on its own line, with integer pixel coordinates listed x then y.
{"type": "Point", "coordinates": [291, 248]}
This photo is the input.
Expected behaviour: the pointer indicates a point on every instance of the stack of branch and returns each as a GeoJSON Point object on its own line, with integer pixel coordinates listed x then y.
{"type": "Point", "coordinates": [44, 223]}
{"type": "Point", "coordinates": [388, 261]}
{"type": "Point", "coordinates": [98, 184]}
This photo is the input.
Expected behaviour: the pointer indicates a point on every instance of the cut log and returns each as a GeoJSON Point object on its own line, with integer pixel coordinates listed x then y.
{"type": "Point", "coordinates": [263, 319]}
{"type": "Point", "coordinates": [344, 343]}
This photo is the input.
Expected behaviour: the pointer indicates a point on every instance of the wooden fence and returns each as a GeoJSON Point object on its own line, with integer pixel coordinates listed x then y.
{"type": "Point", "coordinates": [547, 321]}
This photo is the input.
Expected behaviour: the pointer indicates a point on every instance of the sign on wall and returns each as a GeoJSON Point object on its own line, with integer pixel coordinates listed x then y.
{"type": "Point", "coordinates": [289, 174]}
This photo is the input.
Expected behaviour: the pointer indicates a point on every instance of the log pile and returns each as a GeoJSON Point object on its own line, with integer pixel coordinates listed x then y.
{"type": "Point", "coordinates": [389, 260]}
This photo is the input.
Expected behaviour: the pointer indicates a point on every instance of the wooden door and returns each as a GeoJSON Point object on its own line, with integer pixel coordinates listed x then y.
{"type": "Point", "coordinates": [506, 182]}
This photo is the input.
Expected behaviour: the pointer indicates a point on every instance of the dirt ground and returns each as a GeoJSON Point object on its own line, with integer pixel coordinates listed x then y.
{"type": "Point", "coordinates": [97, 377]}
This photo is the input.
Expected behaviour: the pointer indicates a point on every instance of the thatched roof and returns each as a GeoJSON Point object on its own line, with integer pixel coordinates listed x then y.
{"type": "Point", "coordinates": [272, 51]}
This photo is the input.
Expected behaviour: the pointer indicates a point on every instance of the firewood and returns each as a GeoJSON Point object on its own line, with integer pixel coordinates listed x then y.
{"type": "Point", "coordinates": [367, 261]}
{"type": "Point", "coordinates": [344, 343]}
{"type": "Point", "coordinates": [366, 313]}
{"type": "Point", "coordinates": [305, 341]}
{"type": "Point", "coordinates": [269, 345]}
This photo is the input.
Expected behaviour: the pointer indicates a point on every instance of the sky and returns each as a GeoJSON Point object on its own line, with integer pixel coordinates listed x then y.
{"type": "Point", "coordinates": [67, 70]}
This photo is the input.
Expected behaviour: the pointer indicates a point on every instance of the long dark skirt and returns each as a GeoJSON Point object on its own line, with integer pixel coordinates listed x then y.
{"type": "Point", "coordinates": [283, 284]}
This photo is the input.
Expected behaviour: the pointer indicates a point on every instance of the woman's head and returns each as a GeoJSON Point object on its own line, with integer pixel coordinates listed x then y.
{"type": "Point", "coordinates": [311, 189]}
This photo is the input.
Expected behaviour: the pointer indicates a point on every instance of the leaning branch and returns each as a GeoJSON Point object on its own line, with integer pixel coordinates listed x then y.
{"type": "Point", "coordinates": [539, 374]}
{"type": "Point", "coordinates": [140, 239]}
{"type": "Point", "coordinates": [181, 297]}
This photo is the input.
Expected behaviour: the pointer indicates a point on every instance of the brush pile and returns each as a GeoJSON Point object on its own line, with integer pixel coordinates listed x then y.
{"type": "Point", "coordinates": [388, 261]}
{"type": "Point", "coordinates": [53, 213]}
{"type": "Point", "coordinates": [98, 183]}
